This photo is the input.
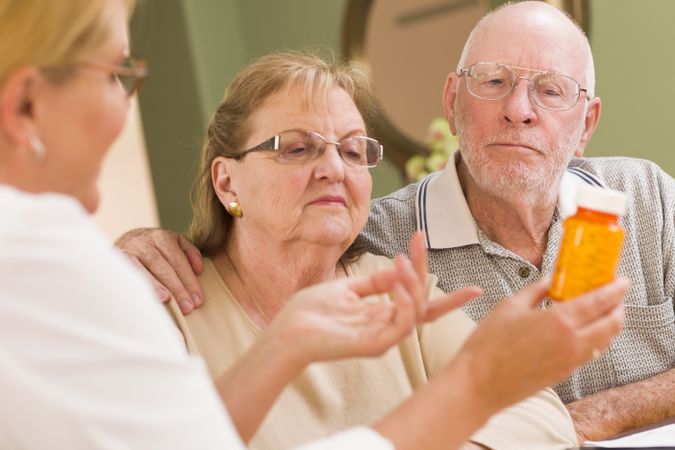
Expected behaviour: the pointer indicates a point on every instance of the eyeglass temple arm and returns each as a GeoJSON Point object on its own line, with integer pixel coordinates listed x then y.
{"type": "Point", "coordinates": [272, 143]}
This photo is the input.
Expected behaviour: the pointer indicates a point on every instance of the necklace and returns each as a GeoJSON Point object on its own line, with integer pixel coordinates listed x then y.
{"type": "Point", "coordinates": [260, 311]}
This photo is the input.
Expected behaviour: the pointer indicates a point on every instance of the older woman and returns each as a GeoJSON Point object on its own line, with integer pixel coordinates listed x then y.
{"type": "Point", "coordinates": [283, 192]}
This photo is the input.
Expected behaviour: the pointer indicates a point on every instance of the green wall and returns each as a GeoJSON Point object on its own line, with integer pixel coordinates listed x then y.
{"type": "Point", "coordinates": [634, 46]}
{"type": "Point", "coordinates": [170, 104]}
{"type": "Point", "coordinates": [195, 46]}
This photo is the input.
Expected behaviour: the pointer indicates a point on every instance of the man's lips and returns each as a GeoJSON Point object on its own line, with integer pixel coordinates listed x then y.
{"type": "Point", "coordinates": [515, 145]}
{"type": "Point", "coordinates": [330, 200]}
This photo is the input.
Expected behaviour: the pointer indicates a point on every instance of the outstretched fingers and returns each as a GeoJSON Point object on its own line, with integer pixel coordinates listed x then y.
{"type": "Point", "coordinates": [532, 295]}
{"type": "Point", "coordinates": [587, 308]}
{"type": "Point", "coordinates": [414, 284]}
{"type": "Point", "coordinates": [448, 302]}
{"type": "Point", "coordinates": [375, 283]}
{"type": "Point", "coordinates": [403, 320]}
{"type": "Point", "coordinates": [389, 322]}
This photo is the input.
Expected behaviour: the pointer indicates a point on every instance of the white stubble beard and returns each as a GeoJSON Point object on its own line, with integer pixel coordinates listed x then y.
{"type": "Point", "coordinates": [530, 185]}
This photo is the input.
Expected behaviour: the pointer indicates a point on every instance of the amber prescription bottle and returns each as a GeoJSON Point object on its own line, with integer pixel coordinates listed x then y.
{"type": "Point", "coordinates": [591, 243]}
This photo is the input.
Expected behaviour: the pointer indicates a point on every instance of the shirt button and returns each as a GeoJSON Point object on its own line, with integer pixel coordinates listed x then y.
{"type": "Point", "coordinates": [546, 304]}
{"type": "Point", "coordinates": [524, 272]}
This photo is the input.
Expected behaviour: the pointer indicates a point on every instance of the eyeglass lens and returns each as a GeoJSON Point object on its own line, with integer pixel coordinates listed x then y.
{"type": "Point", "coordinates": [304, 146]}
{"type": "Point", "coordinates": [131, 82]}
{"type": "Point", "coordinates": [494, 81]}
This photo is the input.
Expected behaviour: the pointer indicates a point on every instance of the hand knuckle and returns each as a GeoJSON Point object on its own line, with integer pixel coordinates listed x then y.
{"type": "Point", "coordinates": [158, 236]}
{"type": "Point", "coordinates": [146, 250]}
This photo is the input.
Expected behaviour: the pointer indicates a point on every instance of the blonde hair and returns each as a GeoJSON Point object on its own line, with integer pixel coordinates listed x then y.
{"type": "Point", "coordinates": [312, 72]}
{"type": "Point", "coordinates": [50, 33]}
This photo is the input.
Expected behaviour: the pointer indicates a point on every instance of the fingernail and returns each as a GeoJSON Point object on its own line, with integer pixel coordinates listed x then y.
{"type": "Point", "coordinates": [197, 299]}
{"type": "Point", "coordinates": [186, 306]}
{"type": "Point", "coordinates": [163, 295]}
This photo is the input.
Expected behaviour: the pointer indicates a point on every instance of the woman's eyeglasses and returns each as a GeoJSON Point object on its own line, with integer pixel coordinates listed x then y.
{"type": "Point", "coordinates": [301, 146]}
{"type": "Point", "coordinates": [130, 74]}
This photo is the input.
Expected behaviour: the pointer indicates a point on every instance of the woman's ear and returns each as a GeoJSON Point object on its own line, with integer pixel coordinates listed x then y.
{"type": "Point", "coordinates": [17, 107]}
{"type": "Point", "coordinates": [221, 174]}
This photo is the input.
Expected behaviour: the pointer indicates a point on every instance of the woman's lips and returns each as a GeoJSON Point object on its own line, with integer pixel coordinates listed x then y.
{"type": "Point", "coordinates": [330, 200]}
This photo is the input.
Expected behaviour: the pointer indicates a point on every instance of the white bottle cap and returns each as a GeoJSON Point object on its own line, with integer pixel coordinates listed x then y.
{"type": "Point", "coordinates": [601, 200]}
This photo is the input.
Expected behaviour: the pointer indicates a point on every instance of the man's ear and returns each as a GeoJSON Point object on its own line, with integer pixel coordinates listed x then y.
{"type": "Point", "coordinates": [590, 124]}
{"type": "Point", "coordinates": [221, 174]}
{"type": "Point", "coordinates": [17, 106]}
{"type": "Point", "coordinates": [449, 95]}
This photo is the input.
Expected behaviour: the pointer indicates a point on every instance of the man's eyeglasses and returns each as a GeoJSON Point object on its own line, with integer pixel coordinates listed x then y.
{"type": "Point", "coordinates": [130, 74]}
{"type": "Point", "coordinates": [301, 146]}
{"type": "Point", "coordinates": [549, 90]}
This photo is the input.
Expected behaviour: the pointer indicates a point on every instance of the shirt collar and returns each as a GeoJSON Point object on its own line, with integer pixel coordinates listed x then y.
{"type": "Point", "coordinates": [444, 215]}
{"type": "Point", "coordinates": [442, 211]}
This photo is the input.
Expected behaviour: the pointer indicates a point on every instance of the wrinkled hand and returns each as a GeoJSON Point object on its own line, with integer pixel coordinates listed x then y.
{"type": "Point", "coordinates": [518, 349]}
{"type": "Point", "coordinates": [332, 320]}
{"type": "Point", "coordinates": [170, 261]}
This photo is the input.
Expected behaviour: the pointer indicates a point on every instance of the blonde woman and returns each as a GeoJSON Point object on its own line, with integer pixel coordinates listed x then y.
{"type": "Point", "coordinates": [74, 372]}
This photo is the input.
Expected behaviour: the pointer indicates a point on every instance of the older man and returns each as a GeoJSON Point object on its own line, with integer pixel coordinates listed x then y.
{"type": "Point", "coordinates": [522, 103]}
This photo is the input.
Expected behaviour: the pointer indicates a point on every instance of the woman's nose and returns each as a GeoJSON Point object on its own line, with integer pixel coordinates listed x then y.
{"type": "Point", "coordinates": [330, 165]}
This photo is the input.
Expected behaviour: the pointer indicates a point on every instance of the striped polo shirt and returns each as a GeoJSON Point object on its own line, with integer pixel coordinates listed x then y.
{"type": "Point", "coordinates": [461, 254]}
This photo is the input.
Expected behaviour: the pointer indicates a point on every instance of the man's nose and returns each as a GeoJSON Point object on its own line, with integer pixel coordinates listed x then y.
{"type": "Point", "coordinates": [518, 105]}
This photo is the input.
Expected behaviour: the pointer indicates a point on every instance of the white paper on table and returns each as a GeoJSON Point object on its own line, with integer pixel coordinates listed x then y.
{"type": "Point", "coordinates": [658, 437]}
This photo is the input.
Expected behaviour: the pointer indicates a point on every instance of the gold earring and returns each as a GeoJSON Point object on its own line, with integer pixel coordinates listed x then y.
{"type": "Point", "coordinates": [37, 147]}
{"type": "Point", "coordinates": [234, 209]}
